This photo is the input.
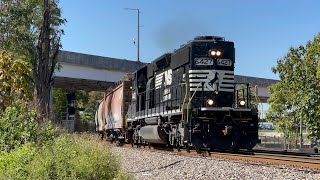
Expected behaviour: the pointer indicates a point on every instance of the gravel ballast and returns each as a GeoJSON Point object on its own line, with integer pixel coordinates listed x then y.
{"type": "Point", "coordinates": [146, 164]}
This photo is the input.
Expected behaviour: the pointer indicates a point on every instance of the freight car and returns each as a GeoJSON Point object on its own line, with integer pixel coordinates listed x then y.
{"type": "Point", "coordinates": [187, 98]}
{"type": "Point", "coordinates": [112, 110]}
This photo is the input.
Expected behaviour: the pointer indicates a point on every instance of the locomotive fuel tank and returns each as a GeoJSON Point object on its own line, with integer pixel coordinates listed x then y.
{"type": "Point", "coordinates": [154, 134]}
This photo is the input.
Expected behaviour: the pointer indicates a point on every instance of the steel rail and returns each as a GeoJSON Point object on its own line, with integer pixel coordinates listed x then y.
{"type": "Point", "coordinates": [298, 160]}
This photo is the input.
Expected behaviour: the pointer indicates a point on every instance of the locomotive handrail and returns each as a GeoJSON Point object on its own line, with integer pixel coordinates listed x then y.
{"type": "Point", "coordinates": [163, 105]}
{"type": "Point", "coordinates": [156, 95]}
{"type": "Point", "coordinates": [191, 100]}
{"type": "Point", "coordinates": [236, 94]}
{"type": "Point", "coordinates": [185, 96]}
{"type": "Point", "coordinates": [256, 94]}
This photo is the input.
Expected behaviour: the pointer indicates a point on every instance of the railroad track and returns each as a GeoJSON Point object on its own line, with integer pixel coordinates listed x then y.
{"type": "Point", "coordinates": [305, 162]}
{"type": "Point", "coordinates": [299, 160]}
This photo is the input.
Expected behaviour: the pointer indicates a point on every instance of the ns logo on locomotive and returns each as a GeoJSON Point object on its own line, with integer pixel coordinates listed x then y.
{"type": "Point", "coordinates": [184, 99]}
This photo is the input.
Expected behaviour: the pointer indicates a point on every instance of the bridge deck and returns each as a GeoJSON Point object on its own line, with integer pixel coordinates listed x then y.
{"type": "Point", "coordinates": [90, 72]}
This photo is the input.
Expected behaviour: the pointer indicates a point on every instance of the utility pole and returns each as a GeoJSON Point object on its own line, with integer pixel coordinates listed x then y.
{"type": "Point", "coordinates": [138, 48]}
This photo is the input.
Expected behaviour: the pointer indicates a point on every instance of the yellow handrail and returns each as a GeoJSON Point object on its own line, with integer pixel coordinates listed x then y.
{"type": "Point", "coordinates": [256, 95]}
{"type": "Point", "coordinates": [185, 96]}
{"type": "Point", "coordinates": [191, 99]}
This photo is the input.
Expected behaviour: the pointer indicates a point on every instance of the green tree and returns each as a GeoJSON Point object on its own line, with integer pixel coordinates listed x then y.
{"type": "Point", "coordinates": [88, 114]}
{"type": "Point", "coordinates": [281, 112]}
{"type": "Point", "coordinates": [13, 80]}
{"type": "Point", "coordinates": [60, 100]}
{"type": "Point", "coordinates": [31, 28]}
{"type": "Point", "coordinates": [298, 90]}
{"type": "Point", "coordinates": [85, 105]}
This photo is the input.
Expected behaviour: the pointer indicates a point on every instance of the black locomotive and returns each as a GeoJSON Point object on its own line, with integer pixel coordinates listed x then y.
{"type": "Point", "coordinates": [187, 98]}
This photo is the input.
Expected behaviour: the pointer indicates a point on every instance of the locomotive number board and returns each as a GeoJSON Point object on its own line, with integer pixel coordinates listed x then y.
{"type": "Point", "coordinates": [203, 61]}
{"type": "Point", "coordinates": [224, 62]}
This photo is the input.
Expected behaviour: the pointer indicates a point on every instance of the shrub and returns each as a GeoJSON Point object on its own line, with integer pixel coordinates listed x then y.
{"type": "Point", "coordinates": [13, 165]}
{"type": "Point", "coordinates": [67, 157]}
{"type": "Point", "coordinates": [75, 157]}
{"type": "Point", "coordinates": [18, 126]}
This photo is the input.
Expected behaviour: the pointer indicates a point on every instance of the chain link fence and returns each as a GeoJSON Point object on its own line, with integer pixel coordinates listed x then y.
{"type": "Point", "coordinates": [282, 143]}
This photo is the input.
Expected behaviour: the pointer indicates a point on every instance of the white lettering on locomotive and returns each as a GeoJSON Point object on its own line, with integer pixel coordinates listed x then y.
{"type": "Point", "coordinates": [203, 61]}
{"type": "Point", "coordinates": [166, 94]}
{"type": "Point", "coordinates": [224, 62]}
{"type": "Point", "coordinates": [168, 77]}
{"type": "Point", "coordinates": [164, 79]}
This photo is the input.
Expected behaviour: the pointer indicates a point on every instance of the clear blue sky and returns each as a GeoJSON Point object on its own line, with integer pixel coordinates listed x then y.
{"type": "Point", "coordinates": [262, 31]}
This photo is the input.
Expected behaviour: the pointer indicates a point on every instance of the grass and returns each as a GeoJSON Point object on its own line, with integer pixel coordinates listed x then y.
{"type": "Point", "coordinates": [75, 156]}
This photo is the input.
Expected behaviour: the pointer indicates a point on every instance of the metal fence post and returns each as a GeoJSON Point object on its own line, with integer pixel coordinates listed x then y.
{"type": "Point", "coordinates": [265, 140]}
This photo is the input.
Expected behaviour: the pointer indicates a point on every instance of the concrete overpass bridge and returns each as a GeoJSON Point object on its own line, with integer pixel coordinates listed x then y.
{"type": "Point", "coordinates": [90, 72]}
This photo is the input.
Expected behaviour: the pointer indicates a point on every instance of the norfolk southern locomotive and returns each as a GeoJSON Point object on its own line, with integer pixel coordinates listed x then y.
{"type": "Point", "coordinates": [184, 99]}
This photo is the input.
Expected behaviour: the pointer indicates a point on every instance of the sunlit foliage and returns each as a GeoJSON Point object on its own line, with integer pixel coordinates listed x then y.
{"type": "Point", "coordinates": [14, 79]}
{"type": "Point", "coordinates": [297, 95]}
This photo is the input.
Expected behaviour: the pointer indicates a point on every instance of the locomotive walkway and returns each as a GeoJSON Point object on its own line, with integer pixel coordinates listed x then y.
{"type": "Point", "coordinates": [97, 73]}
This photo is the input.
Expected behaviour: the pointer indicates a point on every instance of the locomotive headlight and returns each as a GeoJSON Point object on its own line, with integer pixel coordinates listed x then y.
{"type": "Point", "coordinates": [212, 53]}
{"type": "Point", "coordinates": [210, 102]}
{"type": "Point", "coordinates": [242, 102]}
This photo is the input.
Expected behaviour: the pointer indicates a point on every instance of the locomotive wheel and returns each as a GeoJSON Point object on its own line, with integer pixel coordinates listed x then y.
{"type": "Point", "coordinates": [102, 136]}
{"type": "Point", "coordinates": [118, 143]}
{"type": "Point", "coordinates": [187, 147]}
{"type": "Point", "coordinates": [178, 146]}
{"type": "Point", "coordinates": [198, 150]}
